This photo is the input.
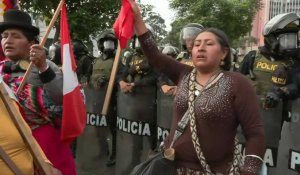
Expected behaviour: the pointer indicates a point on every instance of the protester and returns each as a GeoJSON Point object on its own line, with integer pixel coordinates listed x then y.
{"type": "Point", "coordinates": [42, 95]}
{"type": "Point", "coordinates": [223, 100]}
{"type": "Point", "coordinates": [13, 145]}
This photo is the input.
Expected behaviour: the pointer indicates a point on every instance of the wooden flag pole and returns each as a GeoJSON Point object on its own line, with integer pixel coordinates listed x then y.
{"type": "Point", "coordinates": [27, 136]}
{"type": "Point", "coordinates": [111, 81]}
{"type": "Point", "coordinates": [44, 39]}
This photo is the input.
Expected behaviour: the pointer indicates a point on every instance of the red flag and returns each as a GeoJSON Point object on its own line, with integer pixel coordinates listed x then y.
{"type": "Point", "coordinates": [123, 25]}
{"type": "Point", "coordinates": [74, 111]}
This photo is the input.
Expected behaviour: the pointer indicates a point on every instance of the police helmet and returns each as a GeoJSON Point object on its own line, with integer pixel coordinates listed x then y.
{"type": "Point", "coordinates": [107, 41]}
{"type": "Point", "coordinates": [189, 32]}
{"type": "Point", "coordinates": [171, 51]}
{"type": "Point", "coordinates": [136, 43]}
{"type": "Point", "coordinates": [55, 53]}
{"type": "Point", "coordinates": [79, 48]}
{"type": "Point", "coordinates": [126, 57]}
{"type": "Point", "coordinates": [281, 34]}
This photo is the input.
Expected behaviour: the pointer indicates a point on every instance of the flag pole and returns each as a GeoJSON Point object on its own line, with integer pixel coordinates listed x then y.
{"type": "Point", "coordinates": [42, 166]}
{"type": "Point", "coordinates": [42, 43]}
{"type": "Point", "coordinates": [111, 81]}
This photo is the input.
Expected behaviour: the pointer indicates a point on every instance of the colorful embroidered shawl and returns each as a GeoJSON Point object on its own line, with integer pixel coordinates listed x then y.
{"type": "Point", "coordinates": [39, 108]}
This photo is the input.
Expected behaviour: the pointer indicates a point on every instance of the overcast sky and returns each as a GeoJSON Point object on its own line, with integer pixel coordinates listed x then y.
{"type": "Point", "coordinates": [161, 7]}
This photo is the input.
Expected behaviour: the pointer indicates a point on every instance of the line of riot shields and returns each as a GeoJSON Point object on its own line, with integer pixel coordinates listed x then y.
{"type": "Point", "coordinates": [140, 120]}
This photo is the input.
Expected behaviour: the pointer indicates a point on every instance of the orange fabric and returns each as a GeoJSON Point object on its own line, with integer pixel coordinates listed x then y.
{"type": "Point", "coordinates": [12, 143]}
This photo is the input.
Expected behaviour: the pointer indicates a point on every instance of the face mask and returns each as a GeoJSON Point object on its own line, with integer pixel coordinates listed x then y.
{"type": "Point", "coordinates": [109, 45]}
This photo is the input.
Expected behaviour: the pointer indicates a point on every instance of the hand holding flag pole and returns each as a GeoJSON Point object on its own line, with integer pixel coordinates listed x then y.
{"type": "Point", "coordinates": [42, 43]}
{"type": "Point", "coordinates": [123, 28]}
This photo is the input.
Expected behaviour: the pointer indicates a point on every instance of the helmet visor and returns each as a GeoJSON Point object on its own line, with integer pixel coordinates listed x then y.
{"type": "Point", "coordinates": [190, 33]}
{"type": "Point", "coordinates": [288, 41]}
{"type": "Point", "coordinates": [169, 51]}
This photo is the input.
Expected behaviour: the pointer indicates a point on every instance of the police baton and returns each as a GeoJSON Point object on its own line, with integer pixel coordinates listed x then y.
{"type": "Point", "coordinates": [44, 39]}
{"type": "Point", "coordinates": [111, 81]}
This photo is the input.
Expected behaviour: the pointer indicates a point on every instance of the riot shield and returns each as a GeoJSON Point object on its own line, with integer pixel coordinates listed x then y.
{"type": "Point", "coordinates": [92, 150]}
{"type": "Point", "coordinates": [164, 115]}
{"type": "Point", "coordinates": [289, 145]}
{"type": "Point", "coordinates": [135, 127]}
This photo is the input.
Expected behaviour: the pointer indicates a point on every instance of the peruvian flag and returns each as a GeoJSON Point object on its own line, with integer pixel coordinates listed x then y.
{"type": "Point", "coordinates": [74, 111]}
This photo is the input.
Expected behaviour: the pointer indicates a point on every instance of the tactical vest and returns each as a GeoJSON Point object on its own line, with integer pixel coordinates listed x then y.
{"type": "Point", "coordinates": [101, 70]}
{"type": "Point", "coordinates": [138, 67]}
{"type": "Point", "coordinates": [263, 68]}
{"type": "Point", "coordinates": [185, 58]}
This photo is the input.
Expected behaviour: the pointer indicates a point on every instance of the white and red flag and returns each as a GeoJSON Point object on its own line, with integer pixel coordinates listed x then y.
{"type": "Point", "coordinates": [74, 110]}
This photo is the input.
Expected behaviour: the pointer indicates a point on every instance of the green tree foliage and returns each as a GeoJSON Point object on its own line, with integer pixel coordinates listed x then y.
{"type": "Point", "coordinates": [86, 17]}
{"type": "Point", "coordinates": [90, 17]}
{"type": "Point", "coordinates": [233, 16]}
{"type": "Point", "coordinates": [155, 21]}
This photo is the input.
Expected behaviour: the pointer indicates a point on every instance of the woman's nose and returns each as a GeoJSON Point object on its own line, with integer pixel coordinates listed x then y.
{"type": "Point", "coordinates": [201, 47]}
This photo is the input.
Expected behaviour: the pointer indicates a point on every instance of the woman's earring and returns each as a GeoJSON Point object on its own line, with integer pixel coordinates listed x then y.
{"type": "Point", "coordinates": [222, 62]}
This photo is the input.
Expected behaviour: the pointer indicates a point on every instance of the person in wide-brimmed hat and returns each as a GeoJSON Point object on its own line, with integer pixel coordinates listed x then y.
{"type": "Point", "coordinates": [42, 96]}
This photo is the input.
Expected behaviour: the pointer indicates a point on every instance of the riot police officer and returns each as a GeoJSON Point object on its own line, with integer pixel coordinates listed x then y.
{"type": "Point", "coordinates": [83, 60]}
{"type": "Point", "coordinates": [137, 71]}
{"type": "Point", "coordinates": [167, 86]}
{"type": "Point", "coordinates": [187, 35]}
{"type": "Point", "coordinates": [165, 96]}
{"type": "Point", "coordinates": [98, 142]}
{"type": "Point", "coordinates": [278, 58]}
{"type": "Point", "coordinates": [136, 110]}
{"type": "Point", "coordinates": [101, 67]}
{"type": "Point", "coordinates": [274, 72]}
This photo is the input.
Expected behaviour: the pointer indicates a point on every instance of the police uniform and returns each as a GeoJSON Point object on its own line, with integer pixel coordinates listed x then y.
{"type": "Point", "coordinates": [274, 73]}
{"type": "Point", "coordinates": [101, 70]}
{"type": "Point", "coordinates": [185, 58]}
{"type": "Point", "coordinates": [83, 63]}
{"type": "Point", "coordinates": [136, 111]}
{"type": "Point", "coordinates": [263, 69]}
{"type": "Point", "coordinates": [138, 71]}
{"type": "Point", "coordinates": [97, 143]}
